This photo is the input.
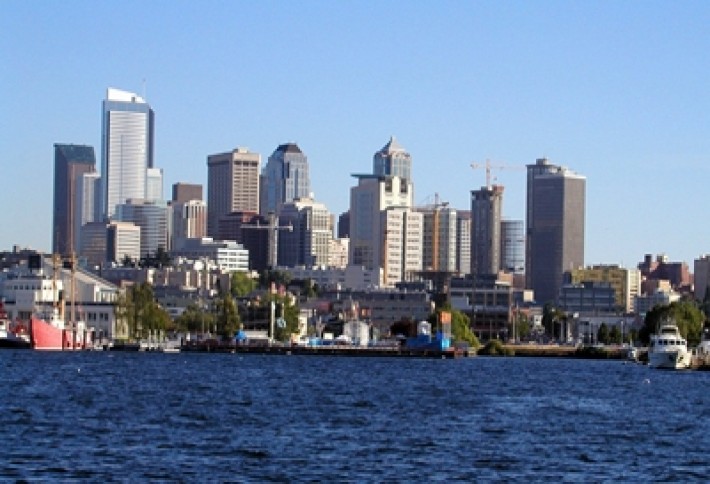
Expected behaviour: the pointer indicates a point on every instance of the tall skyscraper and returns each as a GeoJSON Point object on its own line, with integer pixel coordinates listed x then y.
{"type": "Point", "coordinates": [555, 227]}
{"type": "Point", "coordinates": [70, 163]}
{"type": "Point", "coordinates": [127, 148]}
{"type": "Point", "coordinates": [392, 160]}
{"type": "Point", "coordinates": [512, 248]}
{"type": "Point", "coordinates": [486, 210]}
{"type": "Point", "coordinates": [88, 201]}
{"type": "Point", "coordinates": [232, 185]}
{"type": "Point", "coordinates": [285, 178]}
{"type": "Point", "coordinates": [306, 234]}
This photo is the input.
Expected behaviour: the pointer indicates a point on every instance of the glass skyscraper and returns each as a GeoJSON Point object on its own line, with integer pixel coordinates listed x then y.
{"type": "Point", "coordinates": [70, 163]}
{"type": "Point", "coordinates": [126, 148]}
{"type": "Point", "coordinates": [285, 178]}
{"type": "Point", "coordinates": [392, 160]}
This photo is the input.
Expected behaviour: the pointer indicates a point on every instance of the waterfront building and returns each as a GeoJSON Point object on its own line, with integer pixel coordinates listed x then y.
{"type": "Point", "coordinates": [487, 300]}
{"type": "Point", "coordinates": [306, 233]}
{"type": "Point", "coordinates": [626, 283]}
{"type": "Point", "coordinates": [392, 160]}
{"type": "Point", "coordinates": [232, 185]}
{"type": "Point", "coordinates": [71, 162]}
{"type": "Point", "coordinates": [185, 192]}
{"type": "Point", "coordinates": [127, 148]}
{"type": "Point", "coordinates": [463, 242]}
{"type": "Point", "coordinates": [152, 218]}
{"type": "Point", "coordinates": [555, 214]}
{"type": "Point", "coordinates": [228, 255]}
{"type": "Point", "coordinates": [588, 297]}
{"type": "Point", "coordinates": [123, 243]}
{"type": "Point", "coordinates": [486, 211]}
{"type": "Point", "coordinates": [512, 246]}
{"type": "Point", "coordinates": [284, 179]}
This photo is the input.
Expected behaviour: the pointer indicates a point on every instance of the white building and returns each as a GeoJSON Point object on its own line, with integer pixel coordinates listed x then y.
{"type": "Point", "coordinates": [154, 184]}
{"type": "Point", "coordinates": [351, 277]}
{"type": "Point", "coordinates": [226, 254]}
{"type": "Point", "coordinates": [189, 220]}
{"type": "Point", "coordinates": [123, 241]}
{"type": "Point", "coordinates": [338, 253]}
{"type": "Point", "coordinates": [127, 148]}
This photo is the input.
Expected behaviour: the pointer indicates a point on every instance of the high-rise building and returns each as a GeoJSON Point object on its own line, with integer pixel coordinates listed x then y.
{"type": "Point", "coordinates": [232, 185]}
{"type": "Point", "coordinates": [373, 233]}
{"type": "Point", "coordinates": [486, 211]}
{"type": "Point", "coordinates": [154, 184]}
{"type": "Point", "coordinates": [127, 148]}
{"type": "Point", "coordinates": [554, 240]}
{"type": "Point", "coordinates": [184, 192]}
{"type": "Point", "coordinates": [392, 160]}
{"type": "Point", "coordinates": [70, 163]}
{"type": "Point", "coordinates": [189, 221]}
{"type": "Point", "coordinates": [512, 246]}
{"type": "Point", "coordinates": [344, 225]}
{"type": "Point", "coordinates": [439, 238]}
{"type": "Point", "coordinates": [306, 233]}
{"type": "Point", "coordinates": [463, 242]}
{"type": "Point", "coordinates": [123, 242]}
{"type": "Point", "coordinates": [88, 201]}
{"type": "Point", "coordinates": [152, 218]}
{"type": "Point", "coordinates": [285, 178]}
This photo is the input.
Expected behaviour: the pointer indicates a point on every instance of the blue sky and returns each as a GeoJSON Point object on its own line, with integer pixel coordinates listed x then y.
{"type": "Point", "coordinates": [616, 91]}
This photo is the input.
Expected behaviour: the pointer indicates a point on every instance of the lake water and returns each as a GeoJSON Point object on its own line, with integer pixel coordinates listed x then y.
{"type": "Point", "coordinates": [217, 417]}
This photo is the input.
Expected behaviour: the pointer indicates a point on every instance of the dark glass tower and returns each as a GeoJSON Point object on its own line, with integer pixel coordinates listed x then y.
{"type": "Point", "coordinates": [285, 178]}
{"type": "Point", "coordinates": [70, 163]}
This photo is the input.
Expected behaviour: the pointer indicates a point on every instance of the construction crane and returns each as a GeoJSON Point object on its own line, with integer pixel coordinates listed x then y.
{"type": "Point", "coordinates": [435, 236]}
{"type": "Point", "coordinates": [488, 166]}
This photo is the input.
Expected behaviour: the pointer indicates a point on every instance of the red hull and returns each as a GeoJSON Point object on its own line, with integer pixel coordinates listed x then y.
{"type": "Point", "coordinates": [48, 337]}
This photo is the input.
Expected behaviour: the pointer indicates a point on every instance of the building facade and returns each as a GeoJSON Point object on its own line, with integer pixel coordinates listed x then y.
{"type": "Point", "coordinates": [285, 178]}
{"type": "Point", "coordinates": [512, 246]}
{"type": "Point", "coordinates": [439, 238]}
{"type": "Point", "coordinates": [123, 242]}
{"type": "Point", "coordinates": [71, 162]}
{"type": "Point", "coordinates": [189, 220]}
{"type": "Point", "coordinates": [232, 185]}
{"type": "Point", "coordinates": [152, 218]}
{"type": "Point", "coordinates": [555, 214]}
{"type": "Point", "coordinates": [126, 148]}
{"type": "Point", "coordinates": [626, 283]}
{"type": "Point", "coordinates": [463, 242]}
{"type": "Point", "coordinates": [486, 212]}
{"type": "Point", "coordinates": [306, 234]}
{"type": "Point", "coordinates": [392, 160]}
{"type": "Point", "coordinates": [185, 192]}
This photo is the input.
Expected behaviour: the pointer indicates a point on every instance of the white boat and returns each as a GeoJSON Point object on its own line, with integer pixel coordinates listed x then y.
{"type": "Point", "coordinates": [668, 349]}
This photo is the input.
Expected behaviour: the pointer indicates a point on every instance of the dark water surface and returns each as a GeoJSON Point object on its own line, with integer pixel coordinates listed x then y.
{"type": "Point", "coordinates": [223, 417]}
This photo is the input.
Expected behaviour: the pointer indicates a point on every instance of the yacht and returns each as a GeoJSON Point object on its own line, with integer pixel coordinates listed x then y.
{"type": "Point", "coordinates": [668, 349]}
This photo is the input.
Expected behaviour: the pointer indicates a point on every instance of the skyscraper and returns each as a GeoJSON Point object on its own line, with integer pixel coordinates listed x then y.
{"type": "Point", "coordinates": [307, 235]}
{"type": "Point", "coordinates": [285, 178]}
{"type": "Point", "coordinates": [555, 227]}
{"type": "Point", "coordinates": [512, 246]}
{"type": "Point", "coordinates": [486, 210]}
{"type": "Point", "coordinates": [232, 185]}
{"type": "Point", "coordinates": [463, 242]}
{"type": "Point", "coordinates": [439, 249]}
{"type": "Point", "coordinates": [70, 163]}
{"type": "Point", "coordinates": [126, 148]}
{"type": "Point", "coordinates": [392, 160]}
{"type": "Point", "coordinates": [152, 218]}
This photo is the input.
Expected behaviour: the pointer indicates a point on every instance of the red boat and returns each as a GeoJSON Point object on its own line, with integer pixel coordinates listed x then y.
{"type": "Point", "coordinates": [53, 334]}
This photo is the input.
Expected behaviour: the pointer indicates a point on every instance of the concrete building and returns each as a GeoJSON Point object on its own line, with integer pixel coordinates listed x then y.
{"type": "Point", "coordinates": [626, 283]}
{"type": "Point", "coordinates": [487, 300]}
{"type": "Point", "coordinates": [306, 233]}
{"type": "Point", "coordinates": [486, 212]}
{"type": "Point", "coordinates": [285, 178]}
{"type": "Point", "coordinates": [555, 214]}
{"type": "Point", "coordinates": [330, 278]}
{"type": "Point", "coordinates": [93, 243]}
{"type": "Point", "coordinates": [663, 269]}
{"type": "Point", "coordinates": [71, 162]}
{"type": "Point", "coordinates": [123, 241]}
{"type": "Point", "coordinates": [439, 238]}
{"type": "Point", "coordinates": [189, 220]}
{"type": "Point", "coordinates": [152, 218]}
{"type": "Point", "coordinates": [402, 245]}
{"type": "Point", "coordinates": [185, 192]}
{"type": "Point", "coordinates": [232, 185]}
{"type": "Point", "coordinates": [463, 242]}
{"type": "Point", "coordinates": [228, 255]}
{"type": "Point", "coordinates": [589, 298]}
{"type": "Point", "coordinates": [338, 253]}
{"type": "Point", "coordinates": [126, 148]}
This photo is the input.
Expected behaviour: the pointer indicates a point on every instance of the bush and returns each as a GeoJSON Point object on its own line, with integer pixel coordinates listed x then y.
{"type": "Point", "coordinates": [495, 348]}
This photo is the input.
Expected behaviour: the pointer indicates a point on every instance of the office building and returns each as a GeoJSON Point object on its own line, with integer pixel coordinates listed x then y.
{"type": "Point", "coordinates": [392, 160]}
{"type": "Point", "coordinates": [512, 246]}
{"type": "Point", "coordinates": [486, 212]}
{"type": "Point", "coordinates": [123, 242]}
{"type": "Point", "coordinates": [285, 178]}
{"type": "Point", "coordinates": [127, 148]}
{"type": "Point", "coordinates": [232, 185]}
{"type": "Point", "coordinates": [70, 163]}
{"type": "Point", "coordinates": [184, 192]}
{"type": "Point", "coordinates": [88, 202]}
{"type": "Point", "coordinates": [154, 184]}
{"type": "Point", "coordinates": [152, 218]}
{"type": "Point", "coordinates": [625, 283]}
{"type": "Point", "coordinates": [305, 235]}
{"type": "Point", "coordinates": [226, 254]}
{"type": "Point", "coordinates": [189, 220]}
{"type": "Point", "coordinates": [463, 242]}
{"type": "Point", "coordinates": [555, 212]}
{"type": "Point", "coordinates": [439, 238]}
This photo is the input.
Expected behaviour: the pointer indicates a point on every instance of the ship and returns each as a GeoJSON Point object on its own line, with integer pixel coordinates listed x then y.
{"type": "Point", "coordinates": [53, 333]}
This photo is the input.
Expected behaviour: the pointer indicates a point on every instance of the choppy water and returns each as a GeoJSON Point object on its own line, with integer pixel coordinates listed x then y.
{"type": "Point", "coordinates": [218, 417]}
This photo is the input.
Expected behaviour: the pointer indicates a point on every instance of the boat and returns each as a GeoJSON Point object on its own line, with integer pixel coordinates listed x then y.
{"type": "Point", "coordinates": [50, 332]}
{"type": "Point", "coordinates": [12, 335]}
{"type": "Point", "coordinates": [668, 349]}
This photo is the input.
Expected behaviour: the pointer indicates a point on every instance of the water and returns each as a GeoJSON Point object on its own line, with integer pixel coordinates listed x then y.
{"type": "Point", "coordinates": [217, 417]}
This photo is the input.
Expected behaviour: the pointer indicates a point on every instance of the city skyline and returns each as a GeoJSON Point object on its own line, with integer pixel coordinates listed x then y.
{"type": "Point", "coordinates": [612, 91]}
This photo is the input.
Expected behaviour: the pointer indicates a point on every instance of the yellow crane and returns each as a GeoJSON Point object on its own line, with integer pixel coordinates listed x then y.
{"type": "Point", "coordinates": [488, 166]}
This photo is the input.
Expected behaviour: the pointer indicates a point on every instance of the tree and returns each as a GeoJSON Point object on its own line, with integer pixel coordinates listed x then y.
{"type": "Point", "coordinates": [521, 326]}
{"type": "Point", "coordinates": [139, 312]}
{"type": "Point", "coordinates": [615, 335]}
{"type": "Point", "coordinates": [685, 314]}
{"type": "Point", "coordinates": [226, 318]}
{"type": "Point", "coordinates": [460, 325]}
{"type": "Point", "coordinates": [241, 284]}
{"type": "Point", "coordinates": [603, 334]}
{"type": "Point", "coordinates": [195, 319]}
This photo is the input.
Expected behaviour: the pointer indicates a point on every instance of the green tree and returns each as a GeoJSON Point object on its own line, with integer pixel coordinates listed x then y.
{"type": "Point", "coordinates": [460, 325]}
{"type": "Point", "coordinates": [139, 313]}
{"type": "Point", "coordinates": [521, 326]}
{"type": "Point", "coordinates": [241, 284]}
{"type": "Point", "coordinates": [226, 318]}
{"type": "Point", "coordinates": [685, 314]}
{"type": "Point", "coordinates": [615, 335]}
{"type": "Point", "coordinates": [603, 334]}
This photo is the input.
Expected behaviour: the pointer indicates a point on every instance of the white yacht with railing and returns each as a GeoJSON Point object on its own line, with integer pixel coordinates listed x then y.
{"type": "Point", "coordinates": [668, 349]}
